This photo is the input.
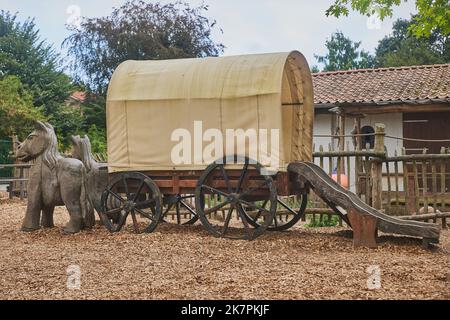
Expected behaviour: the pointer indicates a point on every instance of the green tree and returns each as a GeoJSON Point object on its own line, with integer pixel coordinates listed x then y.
{"type": "Point", "coordinates": [25, 55]}
{"type": "Point", "coordinates": [94, 122]}
{"type": "Point", "coordinates": [139, 30]}
{"type": "Point", "coordinates": [344, 54]}
{"type": "Point", "coordinates": [43, 84]}
{"type": "Point", "coordinates": [432, 14]}
{"type": "Point", "coordinates": [17, 112]}
{"type": "Point", "coordinates": [94, 111]}
{"type": "Point", "coordinates": [401, 48]}
{"type": "Point", "coordinates": [97, 136]}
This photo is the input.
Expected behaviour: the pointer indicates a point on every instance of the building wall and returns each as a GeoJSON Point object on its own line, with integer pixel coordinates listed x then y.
{"type": "Point", "coordinates": [323, 125]}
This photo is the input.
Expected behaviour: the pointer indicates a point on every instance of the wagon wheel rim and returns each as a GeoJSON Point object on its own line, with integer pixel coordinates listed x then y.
{"type": "Point", "coordinates": [233, 200]}
{"type": "Point", "coordinates": [278, 224]}
{"type": "Point", "coordinates": [131, 195]}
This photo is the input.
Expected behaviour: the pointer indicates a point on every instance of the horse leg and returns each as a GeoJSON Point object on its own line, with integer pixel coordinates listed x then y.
{"type": "Point", "coordinates": [70, 195]}
{"type": "Point", "coordinates": [34, 204]}
{"type": "Point", "coordinates": [47, 217]}
{"type": "Point", "coordinates": [32, 216]}
{"type": "Point", "coordinates": [76, 222]}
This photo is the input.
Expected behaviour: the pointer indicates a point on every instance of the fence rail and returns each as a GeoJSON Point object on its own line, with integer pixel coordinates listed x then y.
{"type": "Point", "coordinates": [17, 183]}
{"type": "Point", "coordinates": [408, 185]}
{"type": "Point", "coordinates": [405, 184]}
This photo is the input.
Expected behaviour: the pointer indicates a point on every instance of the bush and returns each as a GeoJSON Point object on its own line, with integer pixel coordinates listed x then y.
{"type": "Point", "coordinates": [326, 221]}
{"type": "Point", "coordinates": [98, 139]}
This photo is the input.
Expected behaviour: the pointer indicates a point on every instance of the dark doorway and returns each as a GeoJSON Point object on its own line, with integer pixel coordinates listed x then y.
{"type": "Point", "coordinates": [428, 126]}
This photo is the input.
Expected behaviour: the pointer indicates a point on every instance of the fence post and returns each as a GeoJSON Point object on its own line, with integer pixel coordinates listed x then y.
{"type": "Point", "coordinates": [377, 167]}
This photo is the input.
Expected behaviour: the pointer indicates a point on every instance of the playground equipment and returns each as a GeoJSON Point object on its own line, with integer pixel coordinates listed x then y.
{"type": "Point", "coordinates": [162, 114]}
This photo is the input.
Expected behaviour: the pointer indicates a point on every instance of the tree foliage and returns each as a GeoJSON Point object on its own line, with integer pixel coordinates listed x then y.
{"type": "Point", "coordinates": [94, 122]}
{"type": "Point", "coordinates": [344, 54]}
{"type": "Point", "coordinates": [25, 55]}
{"type": "Point", "coordinates": [17, 112]}
{"type": "Point", "coordinates": [33, 84]}
{"type": "Point", "coordinates": [432, 14]}
{"type": "Point", "coordinates": [402, 49]}
{"type": "Point", "coordinates": [139, 30]}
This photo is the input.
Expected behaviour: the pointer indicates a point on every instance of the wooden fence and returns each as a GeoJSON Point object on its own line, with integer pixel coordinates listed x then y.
{"type": "Point", "coordinates": [17, 183]}
{"type": "Point", "coordinates": [415, 185]}
{"type": "Point", "coordinates": [402, 185]}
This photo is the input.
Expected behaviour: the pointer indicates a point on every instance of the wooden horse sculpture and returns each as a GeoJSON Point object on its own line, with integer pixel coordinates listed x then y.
{"type": "Point", "coordinates": [96, 176]}
{"type": "Point", "coordinates": [54, 181]}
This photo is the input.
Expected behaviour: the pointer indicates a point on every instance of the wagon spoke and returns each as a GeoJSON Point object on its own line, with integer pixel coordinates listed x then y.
{"type": "Point", "coordinates": [190, 196]}
{"type": "Point", "coordinates": [177, 208]}
{"type": "Point", "coordinates": [227, 221]}
{"type": "Point", "coordinates": [145, 204]}
{"type": "Point", "coordinates": [135, 223]}
{"type": "Point", "coordinates": [214, 190]}
{"type": "Point", "coordinates": [168, 209]}
{"type": "Point", "coordinates": [217, 207]}
{"type": "Point", "coordinates": [187, 207]}
{"type": "Point", "coordinates": [241, 212]}
{"type": "Point", "coordinates": [115, 195]}
{"type": "Point", "coordinates": [145, 214]}
{"type": "Point", "coordinates": [258, 214]}
{"type": "Point", "coordinates": [286, 206]}
{"type": "Point", "coordinates": [253, 206]}
{"type": "Point", "coordinates": [275, 221]}
{"type": "Point", "coordinates": [114, 211]}
{"type": "Point", "coordinates": [122, 218]}
{"type": "Point", "coordinates": [251, 190]}
{"type": "Point", "coordinates": [125, 185]}
{"type": "Point", "coordinates": [138, 191]}
{"type": "Point", "coordinates": [242, 177]}
{"type": "Point", "coordinates": [227, 180]}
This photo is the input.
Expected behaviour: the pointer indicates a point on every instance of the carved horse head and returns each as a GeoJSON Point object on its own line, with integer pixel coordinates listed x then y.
{"type": "Point", "coordinates": [41, 142]}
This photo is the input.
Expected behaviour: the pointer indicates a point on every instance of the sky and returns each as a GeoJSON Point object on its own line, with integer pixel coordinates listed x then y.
{"type": "Point", "coordinates": [249, 26]}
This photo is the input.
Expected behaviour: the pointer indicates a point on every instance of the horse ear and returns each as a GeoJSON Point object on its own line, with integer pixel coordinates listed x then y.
{"type": "Point", "coordinates": [48, 125]}
{"type": "Point", "coordinates": [74, 139]}
{"type": "Point", "coordinates": [40, 126]}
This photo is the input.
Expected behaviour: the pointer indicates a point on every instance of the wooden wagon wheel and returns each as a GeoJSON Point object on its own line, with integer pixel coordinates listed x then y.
{"type": "Point", "coordinates": [134, 194]}
{"type": "Point", "coordinates": [246, 187]}
{"type": "Point", "coordinates": [254, 218]}
{"type": "Point", "coordinates": [182, 208]}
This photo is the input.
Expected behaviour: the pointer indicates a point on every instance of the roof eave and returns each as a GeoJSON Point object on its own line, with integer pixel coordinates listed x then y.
{"type": "Point", "coordinates": [344, 104]}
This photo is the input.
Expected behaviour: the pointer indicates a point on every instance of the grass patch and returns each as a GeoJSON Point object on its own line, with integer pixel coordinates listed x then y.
{"type": "Point", "coordinates": [327, 221]}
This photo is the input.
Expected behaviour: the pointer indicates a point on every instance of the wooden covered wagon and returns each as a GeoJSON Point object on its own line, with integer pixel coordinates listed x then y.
{"type": "Point", "coordinates": [164, 116]}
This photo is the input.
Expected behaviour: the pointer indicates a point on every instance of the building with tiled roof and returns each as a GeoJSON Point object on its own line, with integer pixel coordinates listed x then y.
{"type": "Point", "coordinates": [76, 99]}
{"type": "Point", "coordinates": [412, 102]}
{"type": "Point", "coordinates": [79, 96]}
{"type": "Point", "coordinates": [385, 86]}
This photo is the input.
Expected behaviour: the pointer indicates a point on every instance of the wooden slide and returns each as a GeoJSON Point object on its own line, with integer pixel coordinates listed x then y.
{"type": "Point", "coordinates": [364, 220]}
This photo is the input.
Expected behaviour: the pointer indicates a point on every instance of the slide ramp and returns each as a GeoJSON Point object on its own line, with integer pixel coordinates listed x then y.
{"type": "Point", "coordinates": [364, 220]}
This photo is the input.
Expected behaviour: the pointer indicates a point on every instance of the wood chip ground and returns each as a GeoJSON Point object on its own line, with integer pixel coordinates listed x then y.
{"type": "Point", "coordinates": [185, 262]}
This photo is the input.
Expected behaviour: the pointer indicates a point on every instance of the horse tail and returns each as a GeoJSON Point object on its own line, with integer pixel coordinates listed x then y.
{"type": "Point", "coordinates": [87, 209]}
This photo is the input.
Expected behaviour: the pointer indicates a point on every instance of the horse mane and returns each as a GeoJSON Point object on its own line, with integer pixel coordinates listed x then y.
{"type": "Point", "coordinates": [86, 153]}
{"type": "Point", "coordinates": [51, 154]}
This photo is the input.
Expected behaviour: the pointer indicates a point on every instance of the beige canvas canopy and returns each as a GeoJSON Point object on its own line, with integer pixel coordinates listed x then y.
{"type": "Point", "coordinates": [148, 100]}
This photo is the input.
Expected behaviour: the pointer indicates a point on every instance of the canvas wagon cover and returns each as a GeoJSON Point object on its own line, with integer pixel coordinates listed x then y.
{"type": "Point", "coordinates": [148, 100]}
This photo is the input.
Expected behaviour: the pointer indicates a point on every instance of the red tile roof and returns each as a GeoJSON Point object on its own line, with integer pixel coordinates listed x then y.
{"type": "Point", "coordinates": [383, 86]}
{"type": "Point", "coordinates": [79, 96]}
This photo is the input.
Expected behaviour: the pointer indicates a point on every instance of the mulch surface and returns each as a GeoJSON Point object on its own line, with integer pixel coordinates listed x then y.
{"type": "Point", "coordinates": [185, 262]}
